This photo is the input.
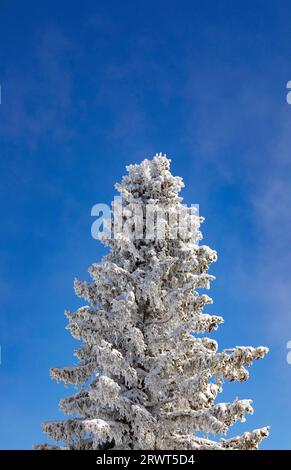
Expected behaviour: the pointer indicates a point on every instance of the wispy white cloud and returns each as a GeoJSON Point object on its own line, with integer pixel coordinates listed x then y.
{"type": "Point", "coordinates": [272, 209]}
{"type": "Point", "coordinates": [238, 131]}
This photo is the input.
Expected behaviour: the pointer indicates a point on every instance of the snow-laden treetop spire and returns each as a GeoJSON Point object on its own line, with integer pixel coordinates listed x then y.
{"type": "Point", "coordinates": [150, 180]}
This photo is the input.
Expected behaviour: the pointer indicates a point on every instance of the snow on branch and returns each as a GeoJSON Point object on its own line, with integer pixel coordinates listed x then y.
{"type": "Point", "coordinates": [148, 376]}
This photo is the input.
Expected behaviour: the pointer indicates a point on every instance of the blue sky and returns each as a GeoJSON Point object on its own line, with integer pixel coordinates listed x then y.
{"type": "Point", "coordinates": [88, 87]}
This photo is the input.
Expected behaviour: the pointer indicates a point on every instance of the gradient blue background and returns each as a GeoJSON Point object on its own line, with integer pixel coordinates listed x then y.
{"type": "Point", "coordinates": [88, 87]}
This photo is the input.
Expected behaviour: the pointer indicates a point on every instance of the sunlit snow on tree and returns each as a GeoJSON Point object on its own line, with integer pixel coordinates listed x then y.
{"type": "Point", "coordinates": [145, 380]}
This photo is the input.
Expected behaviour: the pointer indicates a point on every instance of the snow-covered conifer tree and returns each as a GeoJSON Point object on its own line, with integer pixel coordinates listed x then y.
{"type": "Point", "coordinates": [147, 377]}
